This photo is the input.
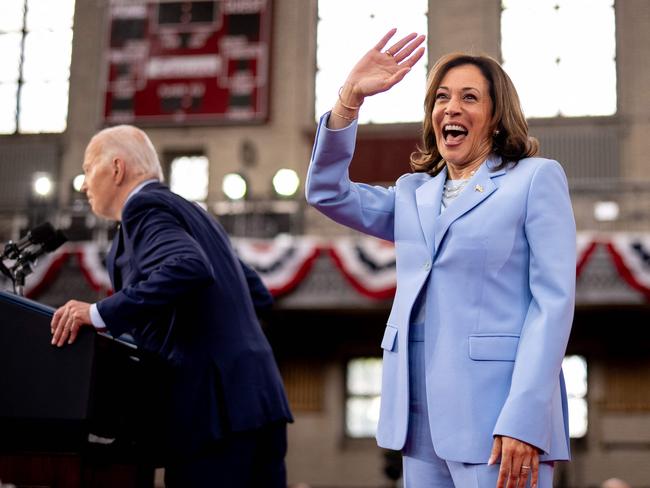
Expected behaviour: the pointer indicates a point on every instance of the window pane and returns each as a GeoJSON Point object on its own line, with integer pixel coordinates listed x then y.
{"type": "Point", "coordinates": [575, 376]}
{"type": "Point", "coordinates": [10, 56]}
{"type": "Point", "coordinates": [12, 15]}
{"type": "Point", "coordinates": [364, 376]}
{"type": "Point", "coordinates": [46, 52]}
{"type": "Point", "coordinates": [578, 422]}
{"type": "Point", "coordinates": [362, 415]}
{"type": "Point", "coordinates": [537, 93]}
{"type": "Point", "coordinates": [47, 55]}
{"type": "Point", "coordinates": [570, 70]}
{"type": "Point", "coordinates": [8, 93]}
{"type": "Point", "coordinates": [189, 177]}
{"type": "Point", "coordinates": [49, 14]}
{"type": "Point", "coordinates": [43, 107]}
{"type": "Point", "coordinates": [337, 54]}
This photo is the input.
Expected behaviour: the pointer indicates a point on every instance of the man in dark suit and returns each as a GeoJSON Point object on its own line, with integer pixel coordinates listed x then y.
{"type": "Point", "coordinates": [182, 293]}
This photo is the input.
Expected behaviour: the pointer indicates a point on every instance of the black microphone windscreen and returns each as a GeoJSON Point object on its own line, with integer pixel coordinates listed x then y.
{"type": "Point", "coordinates": [42, 233]}
{"type": "Point", "coordinates": [55, 241]}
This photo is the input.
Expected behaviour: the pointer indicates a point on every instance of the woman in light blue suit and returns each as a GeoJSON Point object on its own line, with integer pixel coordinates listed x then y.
{"type": "Point", "coordinates": [473, 393]}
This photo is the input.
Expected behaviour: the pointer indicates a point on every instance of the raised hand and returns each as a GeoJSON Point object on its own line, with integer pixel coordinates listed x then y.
{"type": "Point", "coordinates": [376, 72]}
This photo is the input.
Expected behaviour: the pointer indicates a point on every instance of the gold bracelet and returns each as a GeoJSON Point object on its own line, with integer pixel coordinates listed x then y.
{"type": "Point", "coordinates": [350, 119]}
{"type": "Point", "coordinates": [349, 107]}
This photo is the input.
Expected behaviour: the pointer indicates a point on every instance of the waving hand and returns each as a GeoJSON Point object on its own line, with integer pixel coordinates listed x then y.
{"type": "Point", "coordinates": [377, 71]}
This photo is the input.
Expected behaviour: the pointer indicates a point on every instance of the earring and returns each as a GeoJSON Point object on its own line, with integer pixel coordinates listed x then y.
{"type": "Point", "coordinates": [496, 132]}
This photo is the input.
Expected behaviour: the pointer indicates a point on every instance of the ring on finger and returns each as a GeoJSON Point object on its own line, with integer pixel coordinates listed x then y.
{"type": "Point", "coordinates": [525, 467]}
{"type": "Point", "coordinates": [389, 53]}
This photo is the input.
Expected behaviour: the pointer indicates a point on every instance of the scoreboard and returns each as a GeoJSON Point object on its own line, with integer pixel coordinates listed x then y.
{"type": "Point", "coordinates": [177, 62]}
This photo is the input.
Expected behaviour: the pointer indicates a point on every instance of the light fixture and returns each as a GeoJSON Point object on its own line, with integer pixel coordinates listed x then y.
{"type": "Point", "coordinates": [606, 211]}
{"type": "Point", "coordinates": [42, 185]}
{"type": "Point", "coordinates": [78, 182]}
{"type": "Point", "coordinates": [286, 182]}
{"type": "Point", "coordinates": [234, 186]}
{"type": "Point", "coordinates": [189, 176]}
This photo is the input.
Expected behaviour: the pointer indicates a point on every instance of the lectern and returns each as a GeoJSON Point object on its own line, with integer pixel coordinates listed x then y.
{"type": "Point", "coordinates": [83, 415]}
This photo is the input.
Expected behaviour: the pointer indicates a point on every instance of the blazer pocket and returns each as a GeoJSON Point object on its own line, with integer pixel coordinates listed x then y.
{"type": "Point", "coordinates": [493, 347]}
{"type": "Point", "coordinates": [390, 336]}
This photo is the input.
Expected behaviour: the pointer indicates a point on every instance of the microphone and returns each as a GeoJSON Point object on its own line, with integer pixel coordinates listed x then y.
{"type": "Point", "coordinates": [40, 240]}
{"type": "Point", "coordinates": [54, 241]}
{"type": "Point", "coordinates": [40, 234]}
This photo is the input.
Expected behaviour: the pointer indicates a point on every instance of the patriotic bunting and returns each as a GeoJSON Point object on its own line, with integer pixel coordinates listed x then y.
{"type": "Point", "coordinates": [45, 271]}
{"type": "Point", "coordinates": [631, 256]}
{"type": "Point", "coordinates": [585, 246]}
{"type": "Point", "coordinates": [366, 263]}
{"type": "Point", "coordinates": [282, 263]}
{"type": "Point", "coordinates": [92, 266]}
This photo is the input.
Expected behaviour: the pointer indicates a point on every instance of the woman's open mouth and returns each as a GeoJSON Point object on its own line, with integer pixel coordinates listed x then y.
{"type": "Point", "coordinates": [454, 133]}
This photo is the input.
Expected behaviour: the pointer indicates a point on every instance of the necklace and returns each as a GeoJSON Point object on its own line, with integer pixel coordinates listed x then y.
{"type": "Point", "coordinates": [452, 190]}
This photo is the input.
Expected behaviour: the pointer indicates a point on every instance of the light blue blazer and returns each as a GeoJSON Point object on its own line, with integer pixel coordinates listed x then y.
{"type": "Point", "coordinates": [498, 270]}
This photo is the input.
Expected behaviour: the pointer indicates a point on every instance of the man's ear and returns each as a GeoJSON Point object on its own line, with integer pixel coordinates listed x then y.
{"type": "Point", "coordinates": [119, 170]}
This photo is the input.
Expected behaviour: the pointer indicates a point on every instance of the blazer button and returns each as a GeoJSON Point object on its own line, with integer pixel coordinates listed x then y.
{"type": "Point", "coordinates": [427, 266]}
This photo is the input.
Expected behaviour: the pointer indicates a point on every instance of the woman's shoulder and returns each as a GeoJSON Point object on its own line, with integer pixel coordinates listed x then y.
{"type": "Point", "coordinates": [413, 178]}
{"type": "Point", "coordinates": [535, 163]}
{"type": "Point", "coordinates": [536, 172]}
{"type": "Point", "coordinates": [538, 166]}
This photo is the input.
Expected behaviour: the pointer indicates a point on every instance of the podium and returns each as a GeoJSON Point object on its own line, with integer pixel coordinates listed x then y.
{"type": "Point", "coordinates": [83, 415]}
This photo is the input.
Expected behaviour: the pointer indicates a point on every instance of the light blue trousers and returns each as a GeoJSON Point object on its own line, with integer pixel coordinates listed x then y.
{"type": "Point", "coordinates": [422, 466]}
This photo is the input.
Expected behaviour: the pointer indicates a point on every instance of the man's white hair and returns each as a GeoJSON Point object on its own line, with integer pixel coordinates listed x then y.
{"type": "Point", "coordinates": [131, 145]}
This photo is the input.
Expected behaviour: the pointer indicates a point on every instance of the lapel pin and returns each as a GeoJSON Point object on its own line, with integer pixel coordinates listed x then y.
{"type": "Point", "coordinates": [478, 188]}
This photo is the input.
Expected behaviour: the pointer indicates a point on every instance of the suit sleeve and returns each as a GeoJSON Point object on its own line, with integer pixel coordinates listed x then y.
{"type": "Point", "coordinates": [168, 264]}
{"type": "Point", "coordinates": [262, 298]}
{"type": "Point", "coordinates": [551, 235]}
{"type": "Point", "coordinates": [369, 209]}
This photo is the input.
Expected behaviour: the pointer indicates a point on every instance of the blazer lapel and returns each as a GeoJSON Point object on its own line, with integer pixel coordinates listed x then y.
{"type": "Point", "coordinates": [428, 198]}
{"type": "Point", "coordinates": [479, 187]}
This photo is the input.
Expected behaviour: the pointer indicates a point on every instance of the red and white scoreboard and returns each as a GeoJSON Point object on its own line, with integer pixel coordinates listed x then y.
{"type": "Point", "coordinates": [172, 62]}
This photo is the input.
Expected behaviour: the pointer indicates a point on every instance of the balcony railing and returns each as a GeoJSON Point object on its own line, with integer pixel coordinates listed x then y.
{"type": "Point", "coordinates": [611, 205]}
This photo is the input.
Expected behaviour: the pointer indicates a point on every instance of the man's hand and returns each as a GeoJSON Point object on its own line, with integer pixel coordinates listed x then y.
{"type": "Point", "coordinates": [67, 321]}
{"type": "Point", "coordinates": [518, 460]}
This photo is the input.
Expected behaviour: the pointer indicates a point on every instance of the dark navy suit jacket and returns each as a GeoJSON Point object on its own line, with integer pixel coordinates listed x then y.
{"type": "Point", "coordinates": [182, 293]}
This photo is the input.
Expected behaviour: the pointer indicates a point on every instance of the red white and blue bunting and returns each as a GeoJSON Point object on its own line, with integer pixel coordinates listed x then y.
{"type": "Point", "coordinates": [631, 256]}
{"type": "Point", "coordinates": [367, 264]}
{"type": "Point", "coordinates": [282, 263]}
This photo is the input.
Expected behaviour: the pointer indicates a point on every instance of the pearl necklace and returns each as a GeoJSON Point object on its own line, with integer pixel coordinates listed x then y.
{"type": "Point", "coordinates": [451, 191]}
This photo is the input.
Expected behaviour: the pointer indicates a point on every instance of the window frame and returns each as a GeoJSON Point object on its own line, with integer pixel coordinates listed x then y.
{"type": "Point", "coordinates": [24, 32]}
{"type": "Point", "coordinates": [347, 395]}
{"type": "Point", "coordinates": [562, 109]}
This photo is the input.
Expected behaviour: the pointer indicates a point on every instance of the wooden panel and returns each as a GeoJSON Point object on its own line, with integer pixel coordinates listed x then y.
{"type": "Point", "coordinates": [627, 386]}
{"type": "Point", "coordinates": [304, 383]}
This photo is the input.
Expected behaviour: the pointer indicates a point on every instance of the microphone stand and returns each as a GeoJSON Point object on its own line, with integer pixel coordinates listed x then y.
{"type": "Point", "coordinates": [44, 241]}
{"type": "Point", "coordinates": [20, 272]}
{"type": "Point", "coordinates": [5, 271]}
{"type": "Point", "coordinates": [17, 274]}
